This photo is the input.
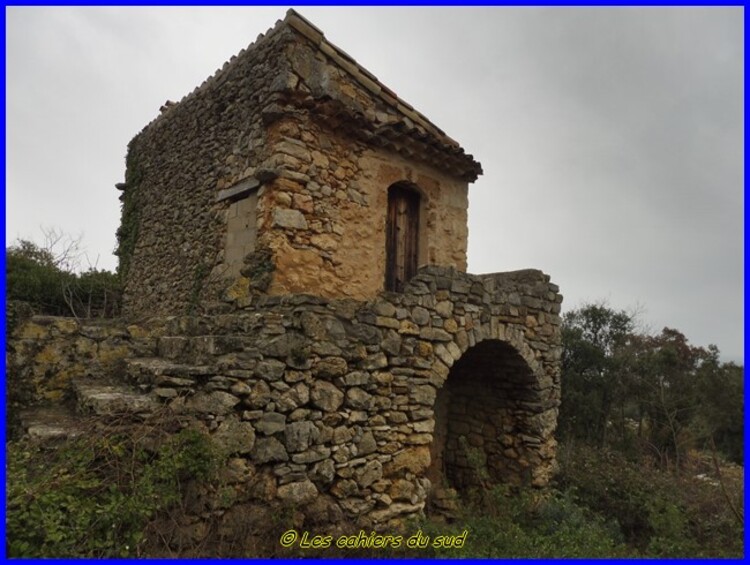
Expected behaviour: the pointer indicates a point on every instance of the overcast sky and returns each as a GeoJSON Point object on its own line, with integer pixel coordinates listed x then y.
{"type": "Point", "coordinates": [611, 138]}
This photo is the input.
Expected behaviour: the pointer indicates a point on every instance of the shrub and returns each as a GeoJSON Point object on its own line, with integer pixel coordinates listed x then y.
{"type": "Point", "coordinates": [505, 522]}
{"type": "Point", "coordinates": [35, 276]}
{"type": "Point", "coordinates": [659, 513]}
{"type": "Point", "coordinates": [93, 496]}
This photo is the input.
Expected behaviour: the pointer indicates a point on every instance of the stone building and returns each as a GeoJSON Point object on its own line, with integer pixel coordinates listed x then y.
{"type": "Point", "coordinates": [296, 168]}
{"type": "Point", "coordinates": [295, 236]}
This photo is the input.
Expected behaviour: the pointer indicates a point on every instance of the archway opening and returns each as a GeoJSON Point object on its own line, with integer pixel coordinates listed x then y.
{"type": "Point", "coordinates": [484, 421]}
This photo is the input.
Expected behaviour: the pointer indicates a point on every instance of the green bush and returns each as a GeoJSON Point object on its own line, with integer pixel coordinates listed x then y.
{"type": "Point", "coordinates": [93, 497]}
{"type": "Point", "coordinates": [33, 276]}
{"type": "Point", "coordinates": [505, 522]}
{"type": "Point", "coordinates": [659, 513]}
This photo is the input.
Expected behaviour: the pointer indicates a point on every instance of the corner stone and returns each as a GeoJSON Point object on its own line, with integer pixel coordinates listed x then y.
{"type": "Point", "coordinates": [290, 219]}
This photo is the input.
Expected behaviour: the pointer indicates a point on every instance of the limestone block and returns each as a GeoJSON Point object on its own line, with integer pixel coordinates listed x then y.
{"type": "Point", "coordinates": [415, 460]}
{"type": "Point", "coordinates": [358, 399]}
{"type": "Point", "coordinates": [289, 219]}
{"type": "Point", "coordinates": [270, 369]}
{"type": "Point", "coordinates": [371, 472]}
{"type": "Point", "coordinates": [323, 472]}
{"type": "Point", "coordinates": [326, 396]}
{"type": "Point", "coordinates": [260, 395]}
{"type": "Point", "coordinates": [293, 398]}
{"type": "Point", "coordinates": [298, 436]}
{"type": "Point", "coordinates": [366, 444]}
{"type": "Point", "coordinates": [217, 402]}
{"type": "Point", "coordinates": [235, 436]}
{"type": "Point", "coordinates": [312, 454]}
{"type": "Point", "coordinates": [423, 394]}
{"type": "Point", "coordinates": [271, 423]}
{"type": "Point", "coordinates": [267, 450]}
{"type": "Point", "coordinates": [330, 367]}
{"type": "Point", "coordinates": [298, 493]}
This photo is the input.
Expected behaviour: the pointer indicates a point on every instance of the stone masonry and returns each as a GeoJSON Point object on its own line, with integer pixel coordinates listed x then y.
{"type": "Point", "coordinates": [329, 405]}
{"type": "Point", "coordinates": [294, 124]}
{"type": "Point", "coordinates": [254, 251]}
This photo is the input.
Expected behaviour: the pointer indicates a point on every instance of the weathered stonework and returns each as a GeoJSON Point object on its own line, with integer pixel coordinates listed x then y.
{"type": "Point", "coordinates": [315, 142]}
{"type": "Point", "coordinates": [338, 400]}
{"type": "Point", "coordinates": [258, 211]}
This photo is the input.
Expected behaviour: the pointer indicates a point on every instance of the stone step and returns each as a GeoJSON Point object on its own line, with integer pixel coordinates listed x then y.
{"type": "Point", "coordinates": [108, 399]}
{"type": "Point", "coordinates": [48, 424]}
{"type": "Point", "coordinates": [147, 372]}
{"type": "Point", "coordinates": [240, 323]}
{"type": "Point", "coordinates": [200, 349]}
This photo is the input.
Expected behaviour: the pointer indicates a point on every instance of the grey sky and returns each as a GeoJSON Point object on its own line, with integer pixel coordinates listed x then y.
{"type": "Point", "coordinates": [611, 138]}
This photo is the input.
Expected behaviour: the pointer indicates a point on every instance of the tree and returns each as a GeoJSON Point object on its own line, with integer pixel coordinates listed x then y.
{"type": "Point", "coordinates": [33, 277]}
{"type": "Point", "coordinates": [594, 369]}
{"type": "Point", "coordinates": [49, 278]}
{"type": "Point", "coordinates": [668, 372]}
{"type": "Point", "coordinates": [678, 395]}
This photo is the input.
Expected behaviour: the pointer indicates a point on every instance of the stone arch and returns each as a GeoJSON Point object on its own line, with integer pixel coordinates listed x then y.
{"type": "Point", "coordinates": [487, 413]}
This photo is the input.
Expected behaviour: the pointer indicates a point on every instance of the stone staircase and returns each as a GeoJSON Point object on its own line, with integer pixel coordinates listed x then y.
{"type": "Point", "coordinates": [192, 359]}
{"type": "Point", "coordinates": [101, 399]}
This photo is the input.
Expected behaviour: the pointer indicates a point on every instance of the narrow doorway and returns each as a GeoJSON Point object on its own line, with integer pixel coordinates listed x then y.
{"type": "Point", "coordinates": [402, 237]}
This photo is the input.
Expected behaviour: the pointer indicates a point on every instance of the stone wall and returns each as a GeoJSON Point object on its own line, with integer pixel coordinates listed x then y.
{"type": "Point", "coordinates": [209, 141]}
{"type": "Point", "coordinates": [333, 406]}
{"type": "Point", "coordinates": [46, 356]}
{"type": "Point", "coordinates": [320, 142]}
{"type": "Point", "coordinates": [324, 218]}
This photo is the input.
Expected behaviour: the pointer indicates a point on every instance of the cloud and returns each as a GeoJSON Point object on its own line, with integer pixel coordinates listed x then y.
{"type": "Point", "coordinates": [611, 138]}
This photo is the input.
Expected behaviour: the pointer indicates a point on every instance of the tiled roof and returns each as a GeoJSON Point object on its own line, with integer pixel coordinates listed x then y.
{"type": "Point", "coordinates": [411, 135]}
{"type": "Point", "coordinates": [414, 125]}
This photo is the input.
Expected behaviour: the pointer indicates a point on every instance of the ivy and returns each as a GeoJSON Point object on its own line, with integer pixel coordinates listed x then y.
{"type": "Point", "coordinates": [127, 233]}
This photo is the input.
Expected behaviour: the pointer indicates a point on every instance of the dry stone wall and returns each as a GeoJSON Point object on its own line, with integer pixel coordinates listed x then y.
{"type": "Point", "coordinates": [209, 141]}
{"type": "Point", "coordinates": [325, 216]}
{"type": "Point", "coordinates": [46, 353]}
{"type": "Point", "coordinates": [331, 406]}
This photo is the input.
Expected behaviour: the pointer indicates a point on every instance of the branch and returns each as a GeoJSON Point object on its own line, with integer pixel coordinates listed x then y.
{"type": "Point", "coordinates": [735, 511]}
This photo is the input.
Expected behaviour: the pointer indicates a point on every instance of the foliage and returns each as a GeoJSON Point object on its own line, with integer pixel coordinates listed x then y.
{"type": "Point", "coordinates": [627, 389]}
{"type": "Point", "coordinates": [48, 282]}
{"type": "Point", "coordinates": [94, 496]}
{"type": "Point", "coordinates": [33, 277]}
{"type": "Point", "coordinates": [127, 232]}
{"type": "Point", "coordinates": [504, 522]}
{"type": "Point", "coordinates": [594, 365]}
{"type": "Point", "coordinates": [658, 513]}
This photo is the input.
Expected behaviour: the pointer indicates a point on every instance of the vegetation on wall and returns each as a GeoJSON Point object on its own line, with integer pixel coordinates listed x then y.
{"type": "Point", "coordinates": [259, 268]}
{"type": "Point", "coordinates": [127, 233]}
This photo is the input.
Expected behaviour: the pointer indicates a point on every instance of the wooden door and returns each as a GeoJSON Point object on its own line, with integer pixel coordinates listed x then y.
{"type": "Point", "coordinates": [402, 237]}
